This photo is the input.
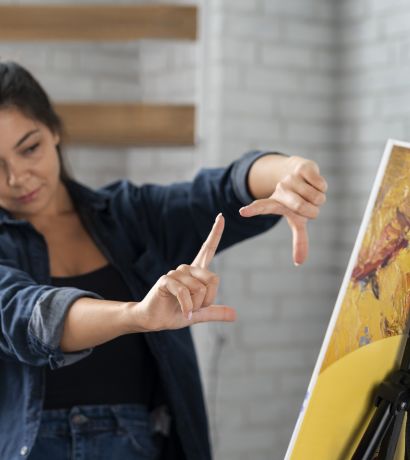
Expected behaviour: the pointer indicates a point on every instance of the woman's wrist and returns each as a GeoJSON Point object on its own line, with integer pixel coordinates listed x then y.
{"type": "Point", "coordinates": [133, 320]}
{"type": "Point", "coordinates": [265, 173]}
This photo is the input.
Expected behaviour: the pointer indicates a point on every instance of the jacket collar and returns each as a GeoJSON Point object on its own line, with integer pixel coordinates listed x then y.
{"type": "Point", "coordinates": [86, 197]}
{"type": "Point", "coordinates": [83, 197]}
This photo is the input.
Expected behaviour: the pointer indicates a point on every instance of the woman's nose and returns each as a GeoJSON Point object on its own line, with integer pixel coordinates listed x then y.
{"type": "Point", "coordinates": [16, 177]}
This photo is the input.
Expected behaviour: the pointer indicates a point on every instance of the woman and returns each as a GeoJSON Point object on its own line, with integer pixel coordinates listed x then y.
{"type": "Point", "coordinates": [97, 288]}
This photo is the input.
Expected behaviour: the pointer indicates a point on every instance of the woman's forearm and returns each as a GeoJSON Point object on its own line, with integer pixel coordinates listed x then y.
{"type": "Point", "coordinates": [265, 173]}
{"type": "Point", "coordinates": [91, 322]}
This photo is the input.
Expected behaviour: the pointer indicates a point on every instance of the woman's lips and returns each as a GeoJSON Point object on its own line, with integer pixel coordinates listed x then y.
{"type": "Point", "coordinates": [29, 197]}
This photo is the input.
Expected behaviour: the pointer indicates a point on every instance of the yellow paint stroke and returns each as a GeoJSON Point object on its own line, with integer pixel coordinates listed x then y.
{"type": "Point", "coordinates": [342, 403]}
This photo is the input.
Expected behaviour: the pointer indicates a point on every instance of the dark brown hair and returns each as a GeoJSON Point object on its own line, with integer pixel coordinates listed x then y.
{"type": "Point", "coordinates": [20, 90]}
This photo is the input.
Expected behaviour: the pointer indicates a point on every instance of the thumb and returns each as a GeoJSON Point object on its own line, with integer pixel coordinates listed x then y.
{"type": "Point", "coordinates": [263, 206]}
{"type": "Point", "coordinates": [214, 313]}
{"type": "Point", "coordinates": [300, 237]}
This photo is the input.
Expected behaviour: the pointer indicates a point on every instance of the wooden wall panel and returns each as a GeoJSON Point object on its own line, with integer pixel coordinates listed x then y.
{"type": "Point", "coordinates": [110, 123]}
{"type": "Point", "coordinates": [128, 124]}
{"type": "Point", "coordinates": [97, 22]}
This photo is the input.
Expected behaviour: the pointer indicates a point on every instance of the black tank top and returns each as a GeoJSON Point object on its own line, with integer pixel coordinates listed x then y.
{"type": "Point", "coordinates": [120, 371]}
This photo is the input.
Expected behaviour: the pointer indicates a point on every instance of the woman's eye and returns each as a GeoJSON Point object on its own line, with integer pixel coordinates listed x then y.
{"type": "Point", "coordinates": [32, 148]}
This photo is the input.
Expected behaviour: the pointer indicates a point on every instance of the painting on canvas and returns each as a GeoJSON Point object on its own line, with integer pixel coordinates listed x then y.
{"type": "Point", "coordinates": [366, 334]}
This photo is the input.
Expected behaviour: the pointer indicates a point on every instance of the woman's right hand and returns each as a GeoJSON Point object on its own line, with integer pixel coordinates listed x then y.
{"type": "Point", "coordinates": [185, 296]}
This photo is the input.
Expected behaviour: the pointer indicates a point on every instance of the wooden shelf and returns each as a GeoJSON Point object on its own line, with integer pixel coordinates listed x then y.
{"type": "Point", "coordinates": [110, 123]}
{"type": "Point", "coordinates": [97, 22]}
{"type": "Point", "coordinates": [128, 124]}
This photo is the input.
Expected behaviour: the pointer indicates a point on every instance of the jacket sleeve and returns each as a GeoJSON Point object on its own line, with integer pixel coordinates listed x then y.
{"type": "Point", "coordinates": [179, 216]}
{"type": "Point", "coordinates": [32, 318]}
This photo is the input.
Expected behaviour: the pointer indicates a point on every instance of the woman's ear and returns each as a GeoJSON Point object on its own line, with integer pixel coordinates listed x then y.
{"type": "Point", "coordinates": [56, 139]}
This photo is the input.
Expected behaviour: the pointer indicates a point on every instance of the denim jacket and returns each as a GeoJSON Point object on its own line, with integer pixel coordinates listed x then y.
{"type": "Point", "coordinates": [144, 231]}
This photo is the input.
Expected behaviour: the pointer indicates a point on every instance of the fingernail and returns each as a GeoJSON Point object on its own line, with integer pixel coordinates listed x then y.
{"type": "Point", "coordinates": [217, 217]}
{"type": "Point", "coordinates": [296, 264]}
{"type": "Point", "coordinates": [190, 316]}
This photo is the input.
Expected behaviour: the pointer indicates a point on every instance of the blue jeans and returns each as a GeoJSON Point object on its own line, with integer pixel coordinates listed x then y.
{"type": "Point", "coordinates": [103, 432]}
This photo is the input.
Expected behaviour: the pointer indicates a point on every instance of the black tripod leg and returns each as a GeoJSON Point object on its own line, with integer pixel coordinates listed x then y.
{"type": "Point", "coordinates": [375, 432]}
{"type": "Point", "coordinates": [389, 445]}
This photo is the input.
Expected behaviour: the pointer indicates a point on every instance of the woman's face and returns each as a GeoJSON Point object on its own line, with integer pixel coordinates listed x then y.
{"type": "Point", "coordinates": [29, 165]}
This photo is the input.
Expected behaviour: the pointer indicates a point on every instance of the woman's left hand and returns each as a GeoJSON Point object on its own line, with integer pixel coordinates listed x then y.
{"type": "Point", "coordinates": [298, 196]}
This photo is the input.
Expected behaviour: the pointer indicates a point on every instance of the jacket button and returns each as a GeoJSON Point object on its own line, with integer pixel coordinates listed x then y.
{"type": "Point", "coordinates": [79, 419]}
{"type": "Point", "coordinates": [24, 451]}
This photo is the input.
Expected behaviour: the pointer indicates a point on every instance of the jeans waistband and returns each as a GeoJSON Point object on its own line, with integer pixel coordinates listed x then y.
{"type": "Point", "coordinates": [92, 418]}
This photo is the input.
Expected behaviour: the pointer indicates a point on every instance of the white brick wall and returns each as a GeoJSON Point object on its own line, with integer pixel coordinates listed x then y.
{"type": "Point", "coordinates": [320, 78]}
{"type": "Point", "coordinates": [276, 94]}
{"type": "Point", "coordinates": [325, 80]}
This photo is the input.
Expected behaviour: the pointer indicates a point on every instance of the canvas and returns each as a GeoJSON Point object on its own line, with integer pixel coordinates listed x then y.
{"type": "Point", "coordinates": [365, 338]}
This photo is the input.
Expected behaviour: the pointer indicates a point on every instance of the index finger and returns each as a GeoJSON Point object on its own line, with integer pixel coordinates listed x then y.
{"type": "Point", "coordinates": [208, 249]}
